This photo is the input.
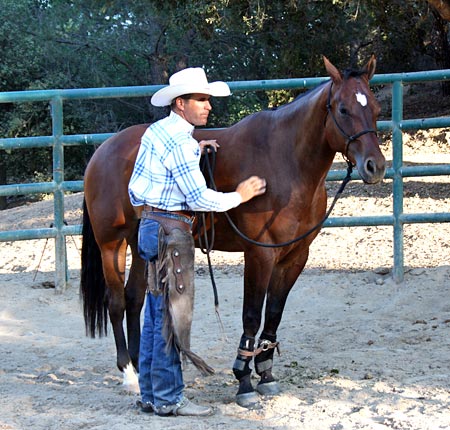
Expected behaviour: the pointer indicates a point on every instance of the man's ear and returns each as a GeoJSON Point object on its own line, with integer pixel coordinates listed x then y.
{"type": "Point", "coordinates": [179, 103]}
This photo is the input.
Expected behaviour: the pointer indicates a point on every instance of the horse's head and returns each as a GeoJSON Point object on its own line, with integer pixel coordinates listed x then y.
{"type": "Point", "coordinates": [352, 112]}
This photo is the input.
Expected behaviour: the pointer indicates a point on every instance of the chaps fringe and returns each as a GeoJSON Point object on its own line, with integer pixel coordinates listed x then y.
{"type": "Point", "coordinates": [175, 279]}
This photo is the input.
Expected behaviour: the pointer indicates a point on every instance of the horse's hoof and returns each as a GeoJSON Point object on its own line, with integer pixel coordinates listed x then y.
{"type": "Point", "coordinates": [268, 388]}
{"type": "Point", "coordinates": [248, 400]}
{"type": "Point", "coordinates": [130, 379]}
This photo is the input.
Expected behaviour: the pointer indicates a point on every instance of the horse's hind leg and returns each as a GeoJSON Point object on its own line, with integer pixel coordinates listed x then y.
{"type": "Point", "coordinates": [134, 299]}
{"type": "Point", "coordinates": [114, 260]}
{"type": "Point", "coordinates": [281, 283]}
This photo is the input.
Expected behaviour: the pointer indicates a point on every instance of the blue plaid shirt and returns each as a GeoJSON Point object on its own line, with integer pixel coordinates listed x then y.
{"type": "Point", "coordinates": [167, 174]}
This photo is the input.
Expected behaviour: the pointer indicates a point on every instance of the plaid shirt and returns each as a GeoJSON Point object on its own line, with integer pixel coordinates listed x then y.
{"type": "Point", "coordinates": [167, 174]}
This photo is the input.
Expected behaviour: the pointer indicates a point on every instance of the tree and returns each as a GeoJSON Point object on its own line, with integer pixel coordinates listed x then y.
{"type": "Point", "coordinates": [92, 43]}
{"type": "Point", "coordinates": [440, 37]}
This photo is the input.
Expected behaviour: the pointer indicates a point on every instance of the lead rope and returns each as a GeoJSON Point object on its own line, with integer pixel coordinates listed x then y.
{"type": "Point", "coordinates": [345, 181]}
{"type": "Point", "coordinates": [207, 248]}
{"type": "Point", "coordinates": [208, 245]}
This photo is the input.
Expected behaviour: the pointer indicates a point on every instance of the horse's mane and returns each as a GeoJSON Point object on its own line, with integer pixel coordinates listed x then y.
{"type": "Point", "coordinates": [302, 95]}
{"type": "Point", "coordinates": [346, 74]}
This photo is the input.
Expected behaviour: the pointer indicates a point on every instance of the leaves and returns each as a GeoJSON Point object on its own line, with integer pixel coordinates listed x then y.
{"type": "Point", "coordinates": [90, 43]}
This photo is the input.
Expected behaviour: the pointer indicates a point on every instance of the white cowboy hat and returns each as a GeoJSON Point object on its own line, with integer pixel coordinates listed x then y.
{"type": "Point", "coordinates": [189, 81]}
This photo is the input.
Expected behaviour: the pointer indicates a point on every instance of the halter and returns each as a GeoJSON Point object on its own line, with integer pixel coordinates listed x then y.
{"type": "Point", "coordinates": [349, 138]}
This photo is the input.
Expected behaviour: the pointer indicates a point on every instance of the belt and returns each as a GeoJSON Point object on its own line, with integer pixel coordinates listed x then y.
{"type": "Point", "coordinates": [187, 214]}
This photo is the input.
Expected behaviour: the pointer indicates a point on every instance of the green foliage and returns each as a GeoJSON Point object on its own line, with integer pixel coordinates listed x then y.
{"type": "Point", "coordinates": [91, 43]}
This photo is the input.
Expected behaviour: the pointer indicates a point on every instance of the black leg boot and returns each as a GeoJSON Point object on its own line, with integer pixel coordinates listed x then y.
{"type": "Point", "coordinates": [267, 386]}
{"type": "Point", "coordinates": [246, 395]}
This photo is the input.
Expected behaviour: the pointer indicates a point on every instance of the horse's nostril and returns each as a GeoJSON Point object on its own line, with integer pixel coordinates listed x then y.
{"type": "Point", "coordinates": [370, 167]}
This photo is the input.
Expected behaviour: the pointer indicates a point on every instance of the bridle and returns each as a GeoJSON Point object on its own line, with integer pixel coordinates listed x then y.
{"type": "Point", "coordinates": [350, 138]}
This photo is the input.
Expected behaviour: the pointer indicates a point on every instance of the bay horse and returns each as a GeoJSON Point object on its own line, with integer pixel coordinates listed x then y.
{"type": "Point", "coordinates": [293, 147]}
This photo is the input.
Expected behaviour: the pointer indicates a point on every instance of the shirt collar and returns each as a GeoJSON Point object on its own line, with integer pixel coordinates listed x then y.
{"type": "Point", "coordinates": [181, 123]}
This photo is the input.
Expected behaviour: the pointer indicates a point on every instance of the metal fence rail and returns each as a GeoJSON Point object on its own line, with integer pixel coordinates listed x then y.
{"type": "Point", "coordinates": [57, 141]}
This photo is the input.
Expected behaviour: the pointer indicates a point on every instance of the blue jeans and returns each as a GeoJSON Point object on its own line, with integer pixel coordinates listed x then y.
{"type": "Point", "coordinates": [148, 239]}
{"type": "Point", "coordinates": [160, 374]}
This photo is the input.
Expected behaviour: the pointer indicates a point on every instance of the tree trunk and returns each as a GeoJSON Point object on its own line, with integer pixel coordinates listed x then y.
{"type": "Point", "coordinates": [441, 47]}
{"type": "Point", "coordinates": [2, 179]}
{"type": "Point", "coordinates": [442, 7]}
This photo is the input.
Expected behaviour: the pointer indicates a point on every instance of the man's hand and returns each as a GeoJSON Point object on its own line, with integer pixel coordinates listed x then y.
{"type": "Point", "coordinates": [251, 187]}
{"type": "Point", "coordinates": [208, 146]}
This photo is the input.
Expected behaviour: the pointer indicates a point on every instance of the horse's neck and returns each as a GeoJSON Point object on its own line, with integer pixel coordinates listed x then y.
{"type": "Point", "coordinates": [307, 117]}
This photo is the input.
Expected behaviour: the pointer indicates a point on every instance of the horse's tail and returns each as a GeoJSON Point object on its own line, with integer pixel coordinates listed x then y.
{"type": "Point", "coordinates": [92, 285]}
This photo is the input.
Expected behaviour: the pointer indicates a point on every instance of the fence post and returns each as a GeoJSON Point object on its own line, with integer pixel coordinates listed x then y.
{"type": "Point", "coordinates": [61, 275]}
{"type": "Point", "coordinates": [397, 164]}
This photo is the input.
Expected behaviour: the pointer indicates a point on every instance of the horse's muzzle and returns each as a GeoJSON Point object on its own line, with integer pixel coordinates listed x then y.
{"type": "Point", "coordinates": [371, 170]}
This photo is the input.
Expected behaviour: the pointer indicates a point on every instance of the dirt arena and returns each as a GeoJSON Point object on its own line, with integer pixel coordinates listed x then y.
{"type": "Point", "coordinates": [358, 351]}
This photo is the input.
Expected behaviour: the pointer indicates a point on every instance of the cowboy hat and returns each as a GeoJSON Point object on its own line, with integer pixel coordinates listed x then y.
{"type": "Point", "coordinates": [189, 81]}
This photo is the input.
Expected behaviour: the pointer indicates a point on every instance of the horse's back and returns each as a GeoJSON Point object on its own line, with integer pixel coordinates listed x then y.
{"type": "Point", "coordinates": [121, 147]}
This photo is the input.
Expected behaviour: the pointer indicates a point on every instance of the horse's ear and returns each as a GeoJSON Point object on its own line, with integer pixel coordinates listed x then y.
{"type": "Point", "coordinates": [370, 67]}
{"type": "Point", "coordinates": [334, 73]}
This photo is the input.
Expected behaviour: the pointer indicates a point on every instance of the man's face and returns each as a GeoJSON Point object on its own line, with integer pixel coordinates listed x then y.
{"type": "Point", "coordinates": [196, 109]}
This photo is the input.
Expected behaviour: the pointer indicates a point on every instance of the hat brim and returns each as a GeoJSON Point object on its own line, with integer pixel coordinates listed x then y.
{"type": "Point", "coordinates": [164, 96]}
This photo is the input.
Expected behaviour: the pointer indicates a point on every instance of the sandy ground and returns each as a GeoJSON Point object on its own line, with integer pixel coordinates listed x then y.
{"type": "Point", "coordinates": [358, 351]}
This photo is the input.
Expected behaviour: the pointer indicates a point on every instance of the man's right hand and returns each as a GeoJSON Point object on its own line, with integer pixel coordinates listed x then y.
{"type": "Point", "coordinates": [251, 187]}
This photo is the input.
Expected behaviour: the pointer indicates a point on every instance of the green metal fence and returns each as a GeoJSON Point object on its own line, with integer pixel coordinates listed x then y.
{"type": "Point", "coordinates": [58, 141]}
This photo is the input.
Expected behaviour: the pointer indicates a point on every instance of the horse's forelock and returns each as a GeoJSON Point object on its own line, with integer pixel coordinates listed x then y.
{"type": "Point", "coordinates": [353, 73]}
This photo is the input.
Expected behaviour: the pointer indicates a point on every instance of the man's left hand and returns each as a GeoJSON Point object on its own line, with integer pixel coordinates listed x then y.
{"type": "Point", "coordinates": [208, 146]}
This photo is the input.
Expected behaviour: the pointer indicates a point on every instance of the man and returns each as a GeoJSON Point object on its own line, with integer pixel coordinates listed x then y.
{"type": "Point", "coordinates": [168, 184]}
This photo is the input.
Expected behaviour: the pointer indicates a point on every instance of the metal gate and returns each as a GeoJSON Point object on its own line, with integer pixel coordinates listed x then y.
{"type": "Point", "coordinates": [57, 141]}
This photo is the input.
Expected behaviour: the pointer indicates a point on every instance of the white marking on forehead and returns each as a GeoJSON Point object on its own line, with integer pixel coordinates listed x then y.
{"type": "Point", "coordinates": [361, 99]}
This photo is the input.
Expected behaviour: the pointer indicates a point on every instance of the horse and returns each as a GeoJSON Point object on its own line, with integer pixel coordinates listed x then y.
{"type": "Point", "coordinates": [293, 147]}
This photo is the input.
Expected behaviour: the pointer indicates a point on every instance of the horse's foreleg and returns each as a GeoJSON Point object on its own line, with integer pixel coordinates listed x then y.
{"type": "Point", "coordinates": [246, 395]}
{"type": "Point", "coordinates": [281, 283]}
{"type": "Point", "coordinates": [267, 344]}
{"type": "Point", "coordinates": [256, 279]}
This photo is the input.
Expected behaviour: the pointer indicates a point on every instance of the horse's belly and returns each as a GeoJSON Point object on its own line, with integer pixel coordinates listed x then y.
{"type": "Point", "coordinates": [222, 237]}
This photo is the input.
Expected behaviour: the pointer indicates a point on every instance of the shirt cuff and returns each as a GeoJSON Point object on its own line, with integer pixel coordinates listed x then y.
{"type": "Point", "coordinates": [236, 198]}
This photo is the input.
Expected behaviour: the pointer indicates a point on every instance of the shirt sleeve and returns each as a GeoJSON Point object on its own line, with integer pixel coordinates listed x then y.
{"type": "Point", "coordinates": [184, 165]}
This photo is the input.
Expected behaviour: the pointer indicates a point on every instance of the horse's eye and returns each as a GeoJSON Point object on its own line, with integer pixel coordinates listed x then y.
{"type": "Point", "coordinates": [343, 111]}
